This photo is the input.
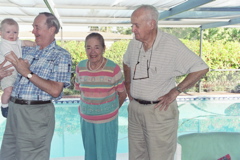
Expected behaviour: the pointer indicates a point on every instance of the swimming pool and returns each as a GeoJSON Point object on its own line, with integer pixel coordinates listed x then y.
{"type": "Point", "coordinates": [197, 114]}
{"type": "Point", "coordinates": [209, 114]}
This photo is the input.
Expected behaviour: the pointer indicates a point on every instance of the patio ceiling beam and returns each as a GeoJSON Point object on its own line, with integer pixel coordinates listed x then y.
{"type": "Point", "coordinates": [196, 20]}
{"type": "Point", "coordinates": [220, 24]}
{"type": "Point", "coordinates": [24, 5]}
{"type": "Point", "coordinates": [93, 7]}
{"type": "Point", "coordinates": [96, 18]}
{"type": "Point", "coordinates": [17, 16]}
{"type": "Point", "coordinates": [70, 6]}
{"type": "Point", "coordinates": [190, 4]}
{"type": "Point", "coordinates": [219, 9]}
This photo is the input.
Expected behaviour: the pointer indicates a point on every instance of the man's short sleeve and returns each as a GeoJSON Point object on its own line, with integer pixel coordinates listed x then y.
{"type": "Point", "coordinates": [62, 69]}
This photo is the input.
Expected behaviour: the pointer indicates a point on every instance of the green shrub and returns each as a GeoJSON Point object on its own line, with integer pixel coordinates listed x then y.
{"type": "Point", "coordinates": [116, 51]}
{"type": "Point", "coordinates": [68, 91]}
{"type": "Point", "coordinates": [218, 54]}
{"type": "Point", "coordinates": [77, 51]}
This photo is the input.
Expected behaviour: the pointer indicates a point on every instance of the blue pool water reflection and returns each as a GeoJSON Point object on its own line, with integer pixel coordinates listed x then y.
{"type": "Point", "coordinates": [197, 114]}
{"type": "Point", "coordinates": [209, 114]}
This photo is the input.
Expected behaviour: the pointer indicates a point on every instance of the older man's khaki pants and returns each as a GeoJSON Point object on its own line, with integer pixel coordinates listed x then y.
{"type": "Point", "coordinates": [152, 133]}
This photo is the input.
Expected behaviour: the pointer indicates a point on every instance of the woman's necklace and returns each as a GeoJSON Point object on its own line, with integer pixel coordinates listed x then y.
{"type": "Point", "coordinates": [89, 66]}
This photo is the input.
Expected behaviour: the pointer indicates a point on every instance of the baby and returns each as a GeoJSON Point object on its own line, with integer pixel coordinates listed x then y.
{"type": "Point", "coordinates": [9, 31]}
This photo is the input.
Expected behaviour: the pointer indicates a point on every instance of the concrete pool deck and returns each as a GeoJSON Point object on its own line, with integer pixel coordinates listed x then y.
{"type": "Point", "coordinates": [120, 156]}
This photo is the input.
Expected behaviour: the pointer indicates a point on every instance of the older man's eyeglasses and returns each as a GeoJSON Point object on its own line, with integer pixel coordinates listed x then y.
{"type": "Point", "coordinates": [137, 65]}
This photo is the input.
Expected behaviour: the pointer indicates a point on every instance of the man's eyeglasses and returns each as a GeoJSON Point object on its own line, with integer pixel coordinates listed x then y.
{"type": "Point", "coordinates": [141, 77]}
{"type": "Point", "coordinates": [148, 65]}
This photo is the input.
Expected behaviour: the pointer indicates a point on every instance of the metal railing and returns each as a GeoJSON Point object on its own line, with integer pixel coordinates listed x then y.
{"type": "Point", "coordinates": [215, 80]}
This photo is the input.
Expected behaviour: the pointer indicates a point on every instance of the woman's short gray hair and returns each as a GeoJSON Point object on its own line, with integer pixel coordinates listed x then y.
{"type": "Point", "coordinates": [52, 21]}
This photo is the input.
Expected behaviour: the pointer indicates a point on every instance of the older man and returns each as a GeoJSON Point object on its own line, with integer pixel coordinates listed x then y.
{"type": "Point", "coordinates": [151, 63]}
{"type": "Point", "coordinates": [44, 72]}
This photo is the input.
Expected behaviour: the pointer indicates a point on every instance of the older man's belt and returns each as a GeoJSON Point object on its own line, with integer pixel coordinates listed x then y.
{"type": "Point", "coordinates": [145, 102]}
{"type": "Point", "coordinates": [27, 102]}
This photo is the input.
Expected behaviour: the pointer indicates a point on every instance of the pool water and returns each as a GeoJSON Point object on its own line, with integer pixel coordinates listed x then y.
{"type": "Point", "coordinates": [197, 114]}
{"type": "Point", "coordinates": [215, 114]}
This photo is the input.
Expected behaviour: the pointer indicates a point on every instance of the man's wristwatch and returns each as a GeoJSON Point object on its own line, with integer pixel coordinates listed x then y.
{"type": "Point", "coordinates": [30, 75]}
{"type": "Point", "coordinates": [179, 89]}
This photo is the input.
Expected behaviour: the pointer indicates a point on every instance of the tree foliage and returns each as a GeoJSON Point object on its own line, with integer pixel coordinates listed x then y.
{"type": "Point", "coordinates": [218, 54]}
{"type": "Point", "coordinates": [116, 51]}
{"type": "Point", "coordinates": [210, 35]}
{"type": "Point", "coordinates": [77, 51]}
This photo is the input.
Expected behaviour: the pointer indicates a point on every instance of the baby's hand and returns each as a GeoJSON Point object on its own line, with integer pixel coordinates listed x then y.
{"type": "Point", "coordinates": [10, 56]}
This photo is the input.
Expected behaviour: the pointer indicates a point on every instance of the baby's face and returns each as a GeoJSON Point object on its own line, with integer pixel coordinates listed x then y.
{"type": "Point", "coordinates": [9, 32]}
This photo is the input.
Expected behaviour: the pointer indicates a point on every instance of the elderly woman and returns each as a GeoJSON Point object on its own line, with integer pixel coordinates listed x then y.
{"type": "Point", "coordinates": [101, 83]}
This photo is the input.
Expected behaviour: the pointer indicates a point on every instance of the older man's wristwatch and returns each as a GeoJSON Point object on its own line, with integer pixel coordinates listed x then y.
{"type": "Point", "coordinates": [179, 89]}
{"type": "Point", "coordinates": [30, 75]}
